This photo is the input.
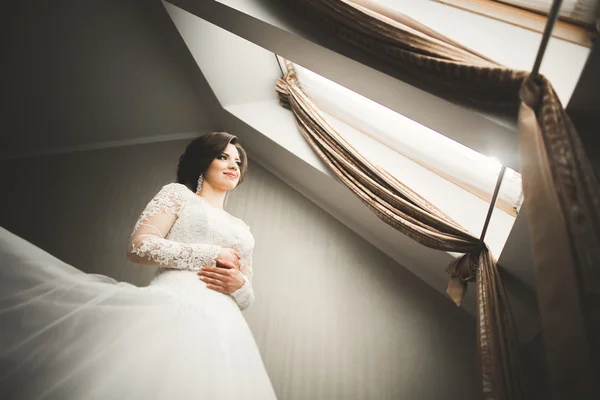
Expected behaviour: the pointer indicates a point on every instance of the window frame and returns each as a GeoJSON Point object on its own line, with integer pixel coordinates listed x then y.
{"type": "Point", "coordinates": [501, 204]}
{"type": "Point", "coordinates": [565, 30]}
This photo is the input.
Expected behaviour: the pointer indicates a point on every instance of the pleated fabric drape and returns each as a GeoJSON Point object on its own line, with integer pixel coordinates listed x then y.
{"type": "Point", "coordinates": [562, 193]}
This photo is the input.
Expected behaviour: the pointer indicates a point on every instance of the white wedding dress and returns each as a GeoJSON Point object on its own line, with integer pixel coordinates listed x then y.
{"type": "Point", "coordinates": [65, 334]}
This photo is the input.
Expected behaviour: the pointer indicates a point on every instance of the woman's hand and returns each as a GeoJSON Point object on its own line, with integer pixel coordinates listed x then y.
{"type": "Point", "coordinates": [228, 257]}
{"type": "Point", "coordinates": [224, 279]}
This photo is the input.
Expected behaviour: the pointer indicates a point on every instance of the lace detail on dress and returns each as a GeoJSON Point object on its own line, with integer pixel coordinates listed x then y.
{"type": "Point", "coordinates": [179, 230]}
{"type": "Point", "coordinates": [244, 296]}
{"type": "Point", "coordinates": [176, 255]}
{"type": "Point", "coordinates": [171, 198]}
{"type": "Point", "coordinates": [148, 245]}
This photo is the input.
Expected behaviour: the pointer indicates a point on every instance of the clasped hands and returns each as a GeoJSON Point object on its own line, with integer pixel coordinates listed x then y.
{"type": "Point", "coordinates": [226, 276]}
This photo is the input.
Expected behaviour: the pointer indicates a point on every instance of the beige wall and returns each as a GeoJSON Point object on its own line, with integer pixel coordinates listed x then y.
{"type": "Point", "coordinates": [334, 318]}
{"type": "Point", "coordinates": [84, 72]}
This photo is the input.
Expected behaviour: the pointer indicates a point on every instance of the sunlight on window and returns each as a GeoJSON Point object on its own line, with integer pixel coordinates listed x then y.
{"type": "Point", "coordinates": [576, 10]}
{"type": "Point", "coordinates": [451, 160]}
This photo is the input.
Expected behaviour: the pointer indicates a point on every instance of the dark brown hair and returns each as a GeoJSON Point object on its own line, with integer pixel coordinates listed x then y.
{"type": "Point", "coordinates": [201, 152]}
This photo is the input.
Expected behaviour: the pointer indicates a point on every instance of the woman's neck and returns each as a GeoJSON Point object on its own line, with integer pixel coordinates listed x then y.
{"type": "Point", "coordinates": [213, 196]}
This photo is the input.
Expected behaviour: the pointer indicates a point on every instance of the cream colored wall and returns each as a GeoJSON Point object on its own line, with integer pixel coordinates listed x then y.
{"type": "Point", "coordinates": [90, 73]}
{"type": "Point", "coordinates": [334, 318]}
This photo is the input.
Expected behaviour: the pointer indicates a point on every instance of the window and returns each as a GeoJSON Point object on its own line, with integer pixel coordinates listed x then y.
{"type": "Point", "coordinates": [454, 162]}
{"type": "Point", "coordinates": [575, 24]}
{"type": "Point", "coordinates": [578, 11]}
{"type": "Point", "coordinates": [454, 178]}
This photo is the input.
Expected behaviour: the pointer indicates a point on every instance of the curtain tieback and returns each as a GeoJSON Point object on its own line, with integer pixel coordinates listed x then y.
{"type": "Point", "coordinates": [462, 270]}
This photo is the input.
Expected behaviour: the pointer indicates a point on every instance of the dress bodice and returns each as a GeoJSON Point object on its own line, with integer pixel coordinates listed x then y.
{"type": "Point", "coordinates": [199, 222]}
{"type": "Point", "coordinates": [181, 232]}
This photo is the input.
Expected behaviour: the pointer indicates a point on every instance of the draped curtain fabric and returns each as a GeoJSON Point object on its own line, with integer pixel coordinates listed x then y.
{"type": "Point", "coordinates": [562, 194]}
{"type": "Point", "coordinates": [408, 212]}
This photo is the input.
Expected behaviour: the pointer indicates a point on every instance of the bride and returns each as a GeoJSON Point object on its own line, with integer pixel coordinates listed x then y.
{"type": "Point", "coordinates": [65, 334]}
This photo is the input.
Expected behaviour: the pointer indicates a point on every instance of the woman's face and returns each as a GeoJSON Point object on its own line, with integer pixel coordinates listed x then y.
{"type": "Point", "coordinates": [223, 173]}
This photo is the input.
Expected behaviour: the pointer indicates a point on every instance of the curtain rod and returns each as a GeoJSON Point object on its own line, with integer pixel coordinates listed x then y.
{"type": "Point", "coordinates": [492, 204]}
{"type": "Point", "coordinates": [552, 17]}
{"type": "Point", "coordinates": [279, 64]}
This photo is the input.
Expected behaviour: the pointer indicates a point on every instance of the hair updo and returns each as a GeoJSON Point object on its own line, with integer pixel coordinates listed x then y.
{"type": "Point", "coordinates": [201, 152]}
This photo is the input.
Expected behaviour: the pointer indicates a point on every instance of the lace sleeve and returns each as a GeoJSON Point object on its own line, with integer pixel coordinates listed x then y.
{"type": "Point", "coordinates": [147, 244]}
{"type": "Point", "coordinates": [244, 296]}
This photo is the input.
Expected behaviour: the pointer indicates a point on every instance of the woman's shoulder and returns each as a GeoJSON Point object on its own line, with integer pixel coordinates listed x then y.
{"type": "Point", "coordinates": [180, 190]}
{"type": "Point", "coordinates": [176, 188]}
{"type": "Point", "coordinates": [173, 192]}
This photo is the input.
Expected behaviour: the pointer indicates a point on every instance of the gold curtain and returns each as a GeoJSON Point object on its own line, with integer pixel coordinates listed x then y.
{"type": "Point", "coordinates": [561, 191]}
{"type": "Point", "coordinates": [408, 212]}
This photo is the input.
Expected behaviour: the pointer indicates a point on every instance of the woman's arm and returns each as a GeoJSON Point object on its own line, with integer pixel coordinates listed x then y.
{"type": "Point", "coordinates": [244, 296]}
{"type": "Point", "coordinates": [147, 244]}
{"type": "Point", "coordinates": [227, 279]}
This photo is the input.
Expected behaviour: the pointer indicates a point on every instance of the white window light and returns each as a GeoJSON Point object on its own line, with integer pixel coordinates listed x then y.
{"type": "Point", "coordinates": [456, 163]}
{"type": "Point", "coordinates": [576, 10]}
